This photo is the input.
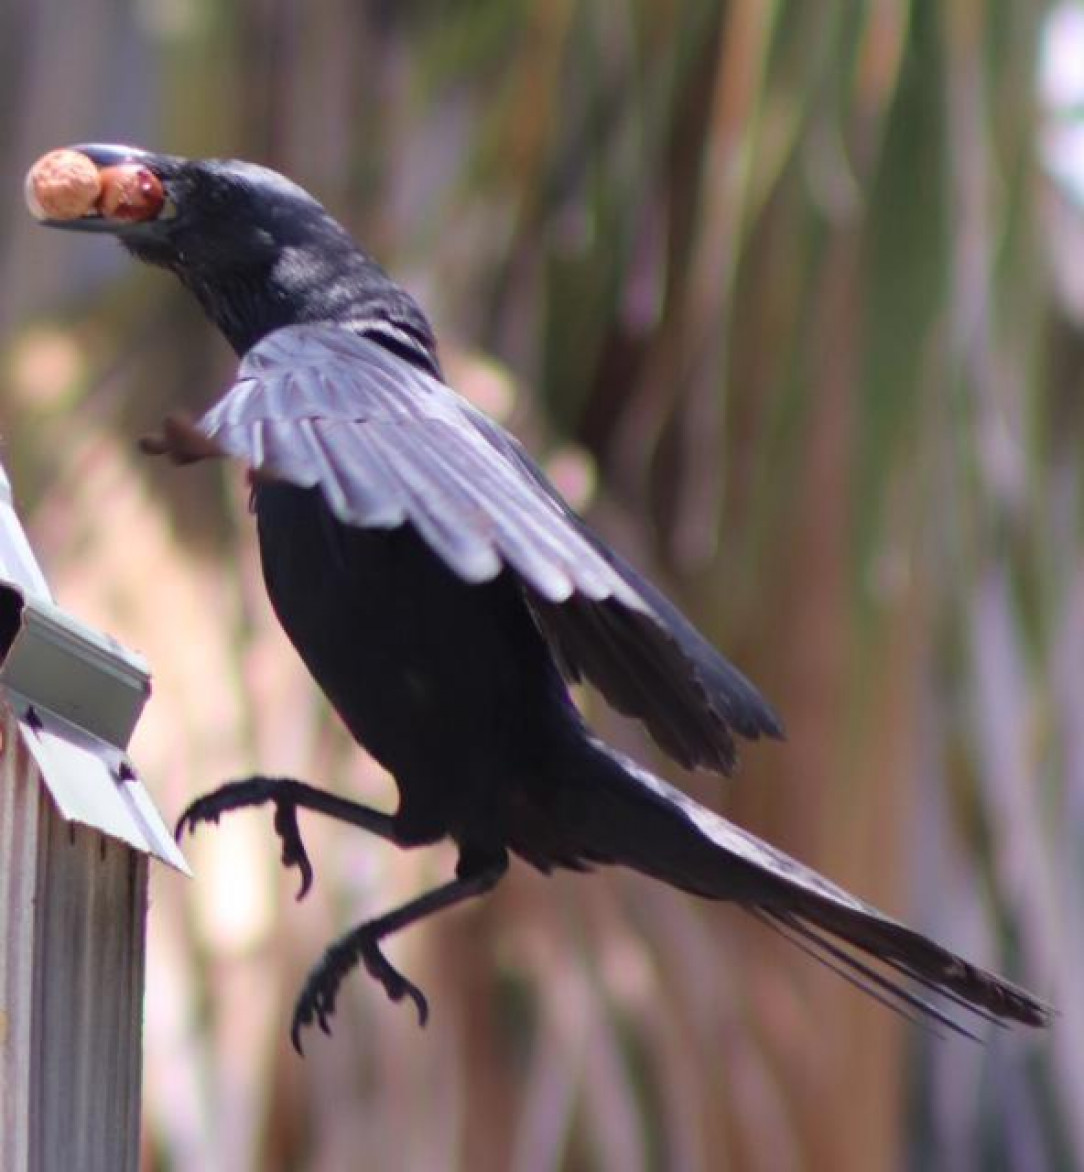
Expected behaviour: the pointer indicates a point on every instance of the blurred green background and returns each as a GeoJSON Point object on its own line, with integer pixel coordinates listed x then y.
{"type": "Point", "coordinates": [790, 298]}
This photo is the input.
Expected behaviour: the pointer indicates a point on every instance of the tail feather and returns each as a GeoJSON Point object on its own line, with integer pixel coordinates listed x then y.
{"type": "Point", "coordinates": [625, 815]}
{"type": "Point", "coordinates": [871, 981]}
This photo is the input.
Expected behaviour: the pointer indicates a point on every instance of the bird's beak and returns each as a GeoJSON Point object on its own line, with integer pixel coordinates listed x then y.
{"type": "Point", "coordinates": [97, 187]}
{"type": "Point", "coordinates": [111, 154]}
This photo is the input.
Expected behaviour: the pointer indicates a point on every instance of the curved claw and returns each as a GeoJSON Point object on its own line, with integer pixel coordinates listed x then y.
{"type": "Point", "coordinates": [239, 795]}
{"type": "Point", "coordinates": [395, 984]}
{"type": "Point", "coordinates": [203, 809]}
{"type": "Point", "coordinates": [209, 807]}
{"type": "Point", "coordinates": [297, 1024]}
{"type": "Point", "coordinates": [316, 1002]}
{"type": "Point", "coordinates": [293, 849]}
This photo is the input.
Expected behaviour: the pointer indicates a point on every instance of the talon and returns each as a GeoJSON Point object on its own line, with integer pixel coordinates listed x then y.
{"type": "Point", "coordinates": [240, 795]}
{"type": "Point", "coordinates": [200, 810]}
{"type": "Point", "coordinates": [420, 1003]}
{"type": "Point", "coordinates": [293, 849]}
{"type": "Point", "coordinates": [395, 984]}
{"type": "Point", "coordinates": [311, 1007]}
{"type": "Point", "coordinates": [296, 1025]}
{"type": "Point", "coordinates": [320, 992]}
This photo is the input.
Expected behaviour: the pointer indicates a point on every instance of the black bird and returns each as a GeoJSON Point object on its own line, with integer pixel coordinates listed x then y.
{"type": "Point", "coordinates": [442, 595]}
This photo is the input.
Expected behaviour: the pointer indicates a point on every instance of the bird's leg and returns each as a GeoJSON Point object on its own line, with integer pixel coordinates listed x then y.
{"type": "Point", "coordinates": [474, 876]}
{"type": "Point", "coordinates": [288, 796]}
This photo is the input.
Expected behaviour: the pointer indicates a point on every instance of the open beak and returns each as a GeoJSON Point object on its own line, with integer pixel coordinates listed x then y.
{"type": "Point", "coordinates": [96, 187]}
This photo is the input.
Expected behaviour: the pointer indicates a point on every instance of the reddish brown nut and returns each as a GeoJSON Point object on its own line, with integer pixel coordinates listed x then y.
{"type": "Point", "coordinates": [131, 192]}
{"type": "Point", "coordinates": [62, 185]}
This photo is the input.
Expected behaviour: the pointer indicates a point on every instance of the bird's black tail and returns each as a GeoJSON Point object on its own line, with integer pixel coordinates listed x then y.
{"type": "Point", "coordinates": [625, 815]}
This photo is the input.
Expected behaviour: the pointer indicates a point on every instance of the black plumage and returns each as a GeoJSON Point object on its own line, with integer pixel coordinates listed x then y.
{"type": "Point", "coordinates": [442, 594]}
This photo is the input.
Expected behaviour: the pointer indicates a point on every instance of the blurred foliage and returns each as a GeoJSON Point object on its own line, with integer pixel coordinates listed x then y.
{"type": "Point", "coordinates": [787, 276]}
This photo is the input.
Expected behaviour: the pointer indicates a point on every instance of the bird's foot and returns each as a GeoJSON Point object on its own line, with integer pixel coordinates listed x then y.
{"type": "Point", "coordinates": [317, 1000]}
{"type": "Point", "coordinates": [181, 440]}
{"type": "Point", "coordinates": [255, 791]}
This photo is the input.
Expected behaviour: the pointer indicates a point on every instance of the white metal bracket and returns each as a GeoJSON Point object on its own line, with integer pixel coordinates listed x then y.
{"type": "Point", "coordinates": [77, 695]}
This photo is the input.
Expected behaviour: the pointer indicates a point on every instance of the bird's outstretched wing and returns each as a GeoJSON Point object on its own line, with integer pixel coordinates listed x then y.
{"type": "Point", "coordinates": [388, 445]}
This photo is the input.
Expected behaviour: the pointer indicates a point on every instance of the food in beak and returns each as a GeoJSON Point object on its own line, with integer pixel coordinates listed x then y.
{"type": "Point", "coordinates": [67, 185]}
{"type": "Point", "coordinates": [130, 192]}
{"type": "Point", "coordinates": [62, 185]}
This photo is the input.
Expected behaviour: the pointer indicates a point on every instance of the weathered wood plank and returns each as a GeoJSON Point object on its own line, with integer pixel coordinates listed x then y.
{"type": "Point", "coordinates": [21, 813]}
{"type": "Point", "coordinates": [72, 910]}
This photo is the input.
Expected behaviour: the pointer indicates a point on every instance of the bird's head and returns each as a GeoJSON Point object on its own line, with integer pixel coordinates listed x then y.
{"type": "Point", "coordinates": [257, 250]}
{"type": "Point", "coordinates": [221, 216]}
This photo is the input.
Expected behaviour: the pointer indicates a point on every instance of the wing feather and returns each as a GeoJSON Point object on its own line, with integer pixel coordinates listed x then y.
{"type": "Point", "coordinates": [388, 445]}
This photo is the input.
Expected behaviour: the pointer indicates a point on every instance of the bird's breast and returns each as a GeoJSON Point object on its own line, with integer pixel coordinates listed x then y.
{"type": "Point", "coordinates": [447, 683]}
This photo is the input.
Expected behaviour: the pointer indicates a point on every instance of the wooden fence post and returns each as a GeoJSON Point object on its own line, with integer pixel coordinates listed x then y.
{"type": "Point", "coordinates": [76, 830]}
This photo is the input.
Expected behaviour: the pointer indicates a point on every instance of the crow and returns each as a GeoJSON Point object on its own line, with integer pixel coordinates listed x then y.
{"type": "Point", "coordinates": [443, 596]}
